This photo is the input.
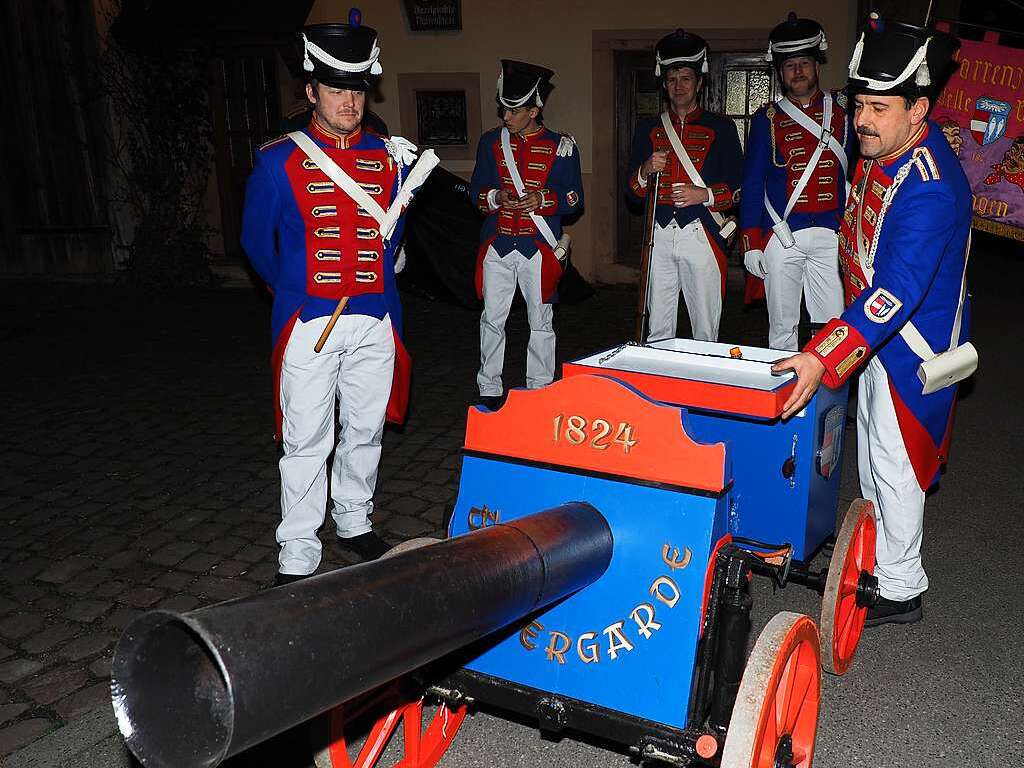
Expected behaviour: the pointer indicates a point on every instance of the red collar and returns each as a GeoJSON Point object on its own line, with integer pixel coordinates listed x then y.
{"type": "Point", "coordinates": [690, 116]}
{"type": "Point", "coordinates": [912, 142]}
{"type": "Point", "coordinates": [340, 141]}
{"type": "Point", "coordinates": [818, 99]}
{"type": "Point", "coordinates": [531, 135]}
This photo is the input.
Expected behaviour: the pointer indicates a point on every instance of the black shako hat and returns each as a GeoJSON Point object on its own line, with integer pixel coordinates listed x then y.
{"type": "Point", "coordinates": [341, 55]}
{"type": "Point", "coordinates": [796, 37]}
{"type": "Point", "coordinates": [523, 85]}
{"type": "Point", "coordinates": [896, 59]}
{"type": "Point", "coordinates": [681, 49]}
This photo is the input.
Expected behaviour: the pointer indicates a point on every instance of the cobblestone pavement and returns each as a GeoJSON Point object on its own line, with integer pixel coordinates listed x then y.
{"type": "Point", "coordinates": [139, 469]}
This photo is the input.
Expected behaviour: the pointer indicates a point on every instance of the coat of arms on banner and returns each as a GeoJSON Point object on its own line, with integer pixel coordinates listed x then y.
{"type": "Point", "coordinates": [989, 121]}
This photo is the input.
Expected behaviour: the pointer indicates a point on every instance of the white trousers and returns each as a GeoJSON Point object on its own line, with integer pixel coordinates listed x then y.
{"type": "Point", "coordinates": [355, 369]}
{"type": "Point", "coordinates": [501, 275]}
{"type": "Point", "coordinates": [682, 260]}
{"type": "Point", "coordinates": [887, 479]}
{"type": "Point", "coordinates": [811, 269]}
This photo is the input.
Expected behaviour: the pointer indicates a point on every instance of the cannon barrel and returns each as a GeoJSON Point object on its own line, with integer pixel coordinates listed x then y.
{"type": "Point", "coordinates": [193, 689]}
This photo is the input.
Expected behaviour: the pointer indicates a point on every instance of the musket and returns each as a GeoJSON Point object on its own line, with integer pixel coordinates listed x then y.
{"type": "Point", "coordinates": [645, 257]}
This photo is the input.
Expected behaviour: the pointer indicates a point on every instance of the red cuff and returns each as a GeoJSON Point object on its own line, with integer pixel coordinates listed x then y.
{"type": "Point", "coordinates": [754, 239]}
{"type": "Point", "coordinates": [841, 349]}
{"type": "Point", "coordinates": [721, 197]}
{"type": "Point", "coordinates": [634, 184]}
{"type": "Point", "coordinates": [550, 200]}
{"type": "Point", "coordinates": [481, 200]}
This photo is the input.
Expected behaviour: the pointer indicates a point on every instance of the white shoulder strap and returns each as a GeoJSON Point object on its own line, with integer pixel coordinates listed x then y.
{"type": "Point", "coordinates": [826, 139]}
{"type": "Point", "coordinates": [517, 181]}
{"type": "Point", "coordinates": [688, 166]}
{"type": "Point", "coordinates": [345, 182]}
{"type": "Point", "coordinates": [823, 131]}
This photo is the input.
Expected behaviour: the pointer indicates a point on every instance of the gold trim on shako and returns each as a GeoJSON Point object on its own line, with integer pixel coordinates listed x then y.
{"type": "Point", "coordinates": [323, 211]}
{"type": "Point", "coordinates": [326, 277]}
{"type": "Point", "coordinates": [320, 187]}
{"type": "Point", "coordinates": [367, 256]}
{"type": "Point", "coordinates": [366, 233]}
{"type": "Point", "coordinates": [327, 232]}
{"type": "Point", "coordinates": [850, 361]}
{"type": "Point", "coordinates": [366, 277]}
{"type": "Point", "coordinates": [829, 343]}
{"type": "Point", "coordinates": [373, 189]}
{"type": "Point", "coordinates": [328, 254]}
{"type": "Point", "coordinates": [363, 164]}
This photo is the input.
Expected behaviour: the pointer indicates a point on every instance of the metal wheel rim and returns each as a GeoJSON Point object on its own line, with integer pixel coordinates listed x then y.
{"type": "Point", "coordinates": [842, 620]}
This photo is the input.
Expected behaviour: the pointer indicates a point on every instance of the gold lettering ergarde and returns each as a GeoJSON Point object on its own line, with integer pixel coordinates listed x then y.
{"type": "Point", "coordinates": [616, 640]}
{"type": "Point", "coordinates": [557, 646]}
{"type": "Point", "coordinates": [645, 625]}
{"type": "Point", "coordinates": [656, 590]}
{"type": "Point", "coordinates": [529, 633]}
{"type": "Point", "coordinates": [1019, 111]}
{"type": "Point", "coordinates": [674, 562]}
{"type": "Point", "coordinates": [480, 517]}
{"type": "Point", "coordinates": [587, 649]}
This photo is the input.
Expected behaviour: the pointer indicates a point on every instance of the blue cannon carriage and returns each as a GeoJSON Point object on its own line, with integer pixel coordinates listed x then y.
{"type": "Point", "coordinates": [596, 578]}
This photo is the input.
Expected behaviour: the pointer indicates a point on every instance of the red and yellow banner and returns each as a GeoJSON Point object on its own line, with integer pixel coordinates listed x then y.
{"type": "Point", "coordinates": [981, 112]}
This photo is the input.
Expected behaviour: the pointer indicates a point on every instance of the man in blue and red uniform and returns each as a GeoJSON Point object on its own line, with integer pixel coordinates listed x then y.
{"type": "Point", "coordinates": [315, 246]}
{"type": "Point", "coordinates": [526, 179]}
{"type": "Point", "coordinates": [902, 246]}
{"type": "Point", "coordinates": [690, 233]}
{"type": "Point", "coordinates": [794, 186]}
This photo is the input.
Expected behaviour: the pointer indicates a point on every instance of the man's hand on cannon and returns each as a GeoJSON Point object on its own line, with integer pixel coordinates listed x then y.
{"type": "Point", "coordinates": [809, 372]}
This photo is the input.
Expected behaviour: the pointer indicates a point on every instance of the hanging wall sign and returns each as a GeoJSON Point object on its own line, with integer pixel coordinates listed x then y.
{"type": "Point", "coordinates": [434, 15]}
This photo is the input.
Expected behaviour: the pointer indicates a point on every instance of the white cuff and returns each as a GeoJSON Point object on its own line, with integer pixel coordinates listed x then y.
{"type": "Point", "coordinates": [640, 177]}
{"type": "Point", "coordinates": [492, 200]}
{"type": "Point", "coordinates": [711, 199]}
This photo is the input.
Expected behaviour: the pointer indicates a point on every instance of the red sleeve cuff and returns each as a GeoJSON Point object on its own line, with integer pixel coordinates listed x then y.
{"type": "Point", "coordinates": [841, 349]}
{"type": "Point", "coordinates": [550, 200]}
{"type": "Point", "coordinates": [481, 200]}
{"type": "Point", "coordinates": [721, 197]}
{"type": "Point", "coordinates": [754, 239]}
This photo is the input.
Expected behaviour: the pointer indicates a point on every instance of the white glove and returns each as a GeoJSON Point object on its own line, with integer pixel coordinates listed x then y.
{"type": "Point", "coordinates": [755, 263]}
{"type": "Point", "coordinates": [400, 259]}
{"type": "Point", "coordinates": [403, 150]}
{"type": "Point", "coordinates": [566, 145]}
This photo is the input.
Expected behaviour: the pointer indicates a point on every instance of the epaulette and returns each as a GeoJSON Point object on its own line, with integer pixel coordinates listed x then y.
{"type": "Point", "coordinates": [272, 142]}
{"type": "Point", "coordinates": [925, 164]}
{"type": "Point", "coordinates": [568, 137]}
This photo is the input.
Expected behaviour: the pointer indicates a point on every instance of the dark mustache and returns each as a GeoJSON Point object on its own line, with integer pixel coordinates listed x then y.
{"type": "Point", "coordinates": [867, 132]}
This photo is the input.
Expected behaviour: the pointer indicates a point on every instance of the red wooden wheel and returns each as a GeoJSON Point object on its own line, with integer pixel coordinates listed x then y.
{"type": "Point", "coordinates": [842, 620]}
{"type": "Point", "coordinates": [427, 732]}
{"type": "Point", "coordinates": [775, 718]}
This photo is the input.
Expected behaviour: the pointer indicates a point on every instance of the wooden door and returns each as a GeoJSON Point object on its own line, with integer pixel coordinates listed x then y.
{"type": "Point", "coordinates": [246, 112]}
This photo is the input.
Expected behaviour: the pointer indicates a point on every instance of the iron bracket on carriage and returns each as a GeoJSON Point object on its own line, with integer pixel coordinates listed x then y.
{"type": "Point", "coordinates": [596, 579]}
